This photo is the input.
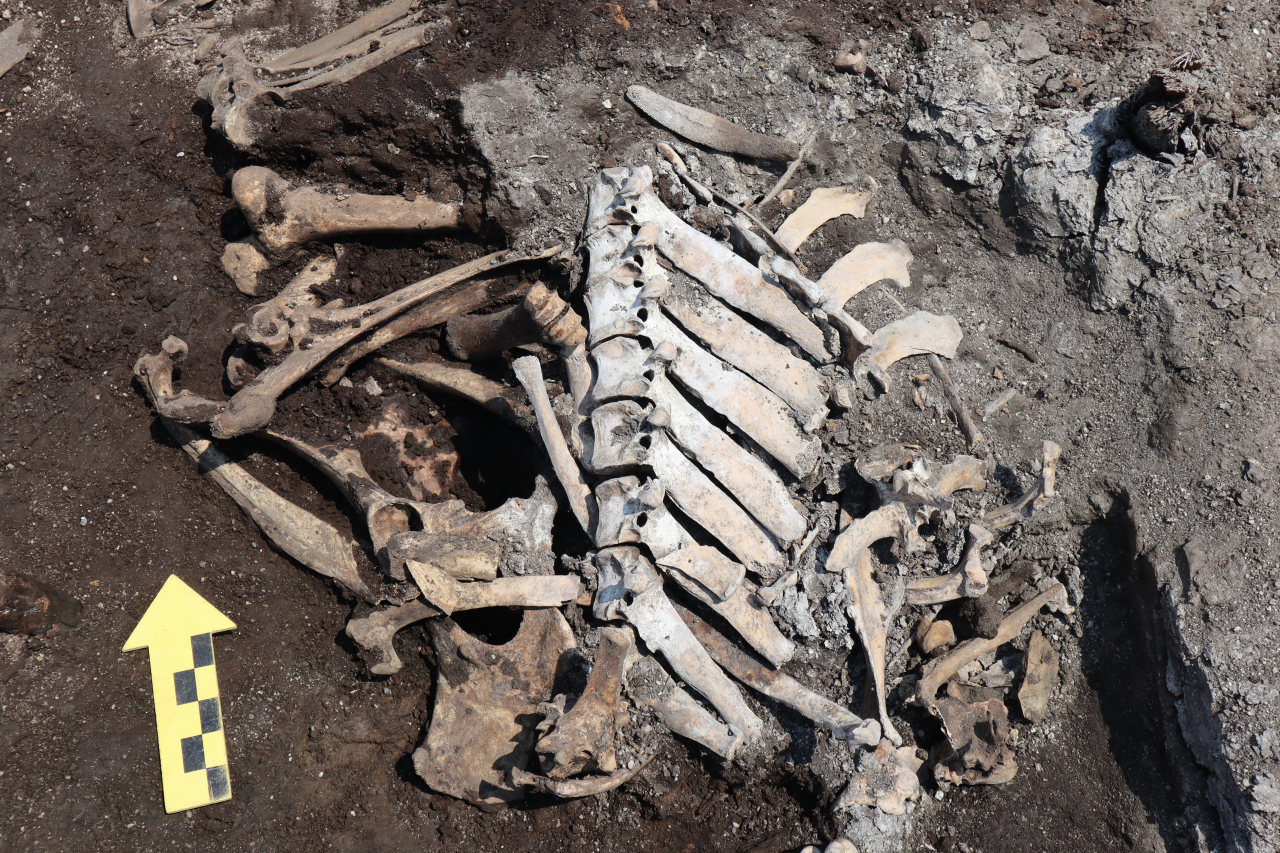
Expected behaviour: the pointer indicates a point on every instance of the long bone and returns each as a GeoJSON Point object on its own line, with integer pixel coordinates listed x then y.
{"type": "Point", "coordinates": [843, 723]}
{"type": "Point", "coordinates": [1032, 499]}
{"type": "Point", "coordinates": [583, 739]}
{"type": "Point", "coordinates": [610, 206]}
{"type": "Point", "coordinates": [449, 595]}
{"type": "Point", "coordinates": [254, 404]}
{"type": "Point", "coordinates": [640, 600]}
{"type": "Point", "coordinates": [375, 632]}
{"type": "Point", "coordinates": [681, 713]}
{"type": "Point", "coordinates": [627, 435]}
{"type": "Point", "coordinates": [855, 337]}
{"type": "Point", "coordinates": [745, 476]}
{"type": "Point", "coordinates": [541, 317]}
{"type": "Point", "coordinates": [284, 217]}
{"type": "Point", "coordinates": [631, 513]}
{"type": "Point", "coordinates": [626, 301]}
{"type": "Point", "coordinates": [461, 380]}
{"type": "Point", "coordinates": [624, 368]}
{"type": "Point", "coordinates": [308, 539]}
{"type": "Point", "coordinates": [969, 580]}
{"type": "Point", "coordinates": [567, 789]}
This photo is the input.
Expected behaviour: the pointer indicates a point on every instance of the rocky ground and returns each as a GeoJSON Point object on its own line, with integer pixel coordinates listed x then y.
{"type": "Point", "coordinates": [1111, 262]}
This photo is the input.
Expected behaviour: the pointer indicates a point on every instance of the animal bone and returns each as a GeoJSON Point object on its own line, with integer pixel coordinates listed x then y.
{"type": "Point", "coordinates": [583, 738]}
{"type": "Point", "coordinates": [1041, 675]}
{"type": "Point", "coordinates": [972, 434]}
{"type": "Point", "coordinates": [541, 317]}
{"type": "Point", "coordinates": [449, 595]}
{"type": "Point", "coordinates": [710, 130]}
{"type": "Point", "coordinates": [984, 613]}
{"type": "Point", "coordinates": [998, 403]}
{"type": "Point", "coordinates": [961, 473]}
{"type": "Point", "coordinates": [427, 474]}
{"type": "Point", "coordinates": [844, 724]}
{"type": "Point", "coordinates": [940, 670]}
{"type": "Point", "coordinates": [309, 540]}
{"type": "Point", "coordinates": [242, 263]}
{"type": "Point", "coordinates": [486, 700]}
{"type": "Point", "coordinates": [969, 580]}
{"type": "Point", "coordinates": [823, 205]}
{"type": "Point", "coordinates": [374, 634]}
{"type": "Point", "coordinates": [284, 217]}
{"type": "Point", "coordinates": [885, 778]}
{"type": "Point", "coordinates": [254, 404]}
{"type": "Point", "coordinates": [440, 375]}
{"type": "Point", "coordinates": [979, 747]}
{"type": "Point", "coordinates": [855, 337]}
{"type": "Point", "coordinates": [28, 606]}
{"type": "Point", "coordinates": [790, 172]}
{"type": "Point", "coordinates": [313, 54]}
{"type": "Point", "coordinates": [651, 687]}
{"type": "Point", "coordinates": [934, 636]}
{"type": "Point", "coordinates": [864, 266]}
{"type": "Point", "coordinates": [662, 629]}
{"type": "Point", "coordinates": [568, 789]}
{"type": "Point", "coordinates": [918, 334]}
{"type": "Point", "coordinates": [15, 43]}
{"type": "Point", "coordinates": [1034, 498]}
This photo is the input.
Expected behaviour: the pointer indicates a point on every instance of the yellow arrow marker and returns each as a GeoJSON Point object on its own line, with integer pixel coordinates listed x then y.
{"type": "Point", "coordinates": [177, 627]}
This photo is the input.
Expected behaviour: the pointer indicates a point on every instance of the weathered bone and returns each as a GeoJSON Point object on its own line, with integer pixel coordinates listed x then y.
{"type": "Point", "coordinates": [284, 217]}
{"type": "Point", "coordinates": [1041, 675]}
{"type": "Point", "coordinates": [843, 723]}
{"type": "Point", "coordinates": [442, 591]}
{"type": "Point", "coordinates": [309, 540]}
{"type": "Point", "coordinates": [708, 129]}
{"type": "Point", "coordinates": [864, 266]}
{"type": "Point", "coordinates": [984, 613]}
{"type": "Point", "coordinates": [650, 687]}
{"type": "Point", "coordinates": [541, 317]}
{"type": "Point", "coordinates": [28, 606]}
{"type": "Point", "coordinates": [823, 205]}
{"type": "Point", "coordinates": [242, 262]}
{"type": "Point", "coordinates": [885, 778]}
{"type": "Point", "coordinates": [428, 470]}
{"type": "Point", "coordinates": [254, 404]}
{"type": "Point", "coordinates": [315, 53]}
{"type": "Point", "coordinates": [919, 334]}
{"type": "Point", "coordinates": [568, 789]}
{"type": "Point", "coordinates": [486, 701]}
{"type": "Point", "coordinates": [374, 634]}
{"type": "Point", "coordinates": [1034, 498]}
{"type": "Point", "coordinates": [979, 749]}
{"type": "Point", "coordinates": [440, 375]}
{"type": "Point", "coordinates": [969, 580]}
{"type": "Point", "coordinates": [962, 473]}
{"type": "Point", "coordinates": [583, 739]}
{"type": "Point", "coordinates": [973, 435]}
{"type": "Point", "coordinates": [855, 337]}
{"type": "Point", "coordinates": [941, 670]}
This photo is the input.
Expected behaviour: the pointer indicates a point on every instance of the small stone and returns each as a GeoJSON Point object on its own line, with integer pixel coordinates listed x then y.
{"type": "Point", "coordinates": [1256, 470]}
{"type": "Point", "coordinates": [841, 845]}
{"type": "Point", "coordinates": [410, 195]}
{"type": "Point", "coordinates": [1030, 45]}
{"type": "Point", "coordinates": [980, 31]}
{"type": "Point", "coordinates": [1053, 85]}
{"type": "Point", "coordinates": [854, 63]}
{"type": "Point", "coordinates": [372, 388]}
{"type": "Point", "coordinates": [1266, 794]}
{"type": "Point", "coordinates": [786, 198]}
{"type": "Point", "coordinates": [1074, 82]}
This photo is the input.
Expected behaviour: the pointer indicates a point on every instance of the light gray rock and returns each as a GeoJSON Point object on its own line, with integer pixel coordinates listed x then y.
{"type": "Point", "coordinates": [1266, 794]}
{"type": "Point", "coordinates": [1056, 174]}
{"type": "Point", "coordinates": [1030, 45]}
{"type": "Point", "coordinates": [980, 31]}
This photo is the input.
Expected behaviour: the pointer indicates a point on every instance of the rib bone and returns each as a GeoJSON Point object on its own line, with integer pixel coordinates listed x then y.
{"type": "Point", "coordinates": [440, 375]}
{"type": "Point", "coordinates": [864, 266]}
{"type": "Point", "coordinates": [374, 634]}
{"type": "Point", "coordinates": [824, 204]}
{"type": "Point", "coordinates": [568, 789]}
{"type": "Point", "coordinates": [710, 130]}
{"type": "Point", "coordinates": [919, 334]}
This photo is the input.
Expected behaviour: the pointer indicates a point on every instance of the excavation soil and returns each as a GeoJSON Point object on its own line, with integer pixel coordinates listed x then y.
{"type": "Point", "coordinates": [115, 212]}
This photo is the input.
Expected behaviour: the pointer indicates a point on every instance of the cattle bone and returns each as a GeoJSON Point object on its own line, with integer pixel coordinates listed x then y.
{"type": "Point", "coordinates": [242, 262]}
{"type": "Point", "coordinates": [823, 205]}
{"type": "Point", "coordinates": [973, 436]}
{"type": "Point", "coordinates": [449, 595]}
{"type": "Point", "coordinates": [855, 337]}
{"type": "Point", "coordinates": [583, 738]}
{"type": "Point", "coordinates": [885, 778]}
{"type": "Point", "coordinates": [317, 334]}
{"type": "Point", "coordinates": [969, 580]}
{"type": "Point", "coordinates": [541, 317]}
{"type": "Point", "coordinates": [374, 634]}
{"type": "Point", "coordinates": [679, 711]}
{"type": "Point", "coordinates": [864, 266]}
{"type": "Point", "coordinates": [567, 789]}
{"type": "Point", "coordinates": [1041, 675]}
{"type": "Point", "coordinates": [1034, 498]}
{"type": "Point", "coordinates": [708, 129]}
{"type": "Point", "coordinates": [283, 217]}
{"type": "Point", "coordinates": [979, 748]}
{"type": "Point", "coordinates": [920, 334]}
{"type": "Point", "coordinates": [440, 375]}
{"type": "Point", "coordinates": [28, 606]}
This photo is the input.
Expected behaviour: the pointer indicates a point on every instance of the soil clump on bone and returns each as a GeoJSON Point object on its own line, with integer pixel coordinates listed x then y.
{"type": "Point", "coordinates": [318, 749]}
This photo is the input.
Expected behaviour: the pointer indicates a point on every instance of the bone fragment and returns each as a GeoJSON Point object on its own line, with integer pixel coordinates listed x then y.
{"type": "Point", "coordinates": [1041, 675]}
{"type": "Point", "coordinates": [581, 501]}
{"type": "Point", "coordinates": [710, 130]}
{"type": "Point", "coordinates": [843, 723]}
{"type": "Point", "coordinates": [921, 333]}
{"type": "Point", "coordinates": [583, 738]}
{"type": "Point", "coordinates": [449, 595]}
{"type": "Point", "coordinates": [854, 336]}
{"type": "Point", "coordinates": [650, 687]}
{"type": "Point", "coordinates": [969, 580]}
{"type": "Point", "coordinates": [880, 462]}
{"type": "Point", "coordinates": [486, 704]}
{"type": "Point", "coordinates": [242, 263]}
{"type": "Point", "coordinates": [984, 613]}
{"type": "Point", "coordinates": [885, 778]}
{"type": "Point", "coordinates": [864, 266]}
{"type": "Point", "coordinates": [15, 43]}
{"type": "Point", "coordinates": [28, 606]}
{"type": "Point", "coordinates": [541, 317]}
{"type": "Point", "coordinates": [374, 634]}
{"type": "Point", "coordinates": [998, 403]}
{"type": "Point", "coordinates": [941, 670]}
{"type": "Point", "coordinates": [309, 540]}
{"type": "Point", "coordinates": [284, 217]}
{"type": "Point", "coordinates": [440, 375]}
{"type": "Point", "coordinates": [339, 38]}
{"type": "Point", "coordinates": [1034, 498]}
{"type": "Point", "coordinates": [254, 404]}
{"type": "Point", "coordinates": [961, 473]}
{"type": "Point", "coordinates": [662, 629]}
{"type": "Point", "coordinates": [973, 435]}
{"type": "Point", "coordinates": [934, 636]}
{"type": "Point", "coordinates": [790, 172]}
{"type": "Point", "coordinates": [979, 748]}
{"type": "Point", "coordinates": [703, 194]}
{"type": "Point", "coordinates": [567, 789]}
{"type": "Point", "coordinates": [825, 204]}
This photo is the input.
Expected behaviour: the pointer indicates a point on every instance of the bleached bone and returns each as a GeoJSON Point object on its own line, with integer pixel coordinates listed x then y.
{"type": "Point", "coordinates": [933, 636]}
{"type": "Point", "coordinates": [998, 403]}
{"type": "Point", "coordinates": [1034, 498]}
{"type": "Point", "coordinates": [881, 462]}
{"type": "Point", "coordinates": [242, 263]}
{"type": "Point", "coordinates": [254, 404]}
{"type": "Point", "coordinates": [583, 739]}
{"type": "Point", "coordinates": [567, 789]}
{"type": "Point", "coordinates": [919, 334]}
{"type": "Point", "coordinates": [309, 540]}
{"type": "Point", "coordinates": [972, 435]}
{"type": "Point", "coordinates": [969, 580]}
{"type": "Point", "coordinates": [677, 710]}
{"type": "Point", "coordinates": [864, 266]}
{"type": "Point", "coordinates": [708, 129]}
{"type": "Point", "coordinates": [885, 778]}
{"type": "Point", "coordinates": [529, 372]}
{"type": "Point", "coordinates": [374, 634]}
{"type": "Point", "coordinates": [961, 473]}
{"type": "Point", "coordinates": [723, 273]}
{"type": "Point", "coordinates": [979, 748]}
{"type": "Point", "coordinates": [647, 609]}
{"type": "Point", "coordinates": [440, 375]}
{"type": "Point", "coordinates": [449, 595]}
{"type": "Point", "coordinates": [744, 475]}
{"type": "Point", "coordinates": [1041, 675]}
{"type": "Point", "coordinates": [313, 54]}
{"type": "Point", "coordinates": [677, 163]}
{"type": "Point", "coordinates": [631, 513]}
{"type": "Point", "coordinates": [855, 337]}
{"type": "Point", "coordinates": [283, 217]}
{"type": "Point", "coordinates": [541, 317]}
{"type": "Point", "coordinates": [843, 723]}
{"type": "Point", "coordinates": [624, 368]}
{"type": "Point", "coordinates": [941, 670]}
{"type": "Point", "coordinates": [823, 205]}
{"type": "Point", "coordinates": [627, 437]}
